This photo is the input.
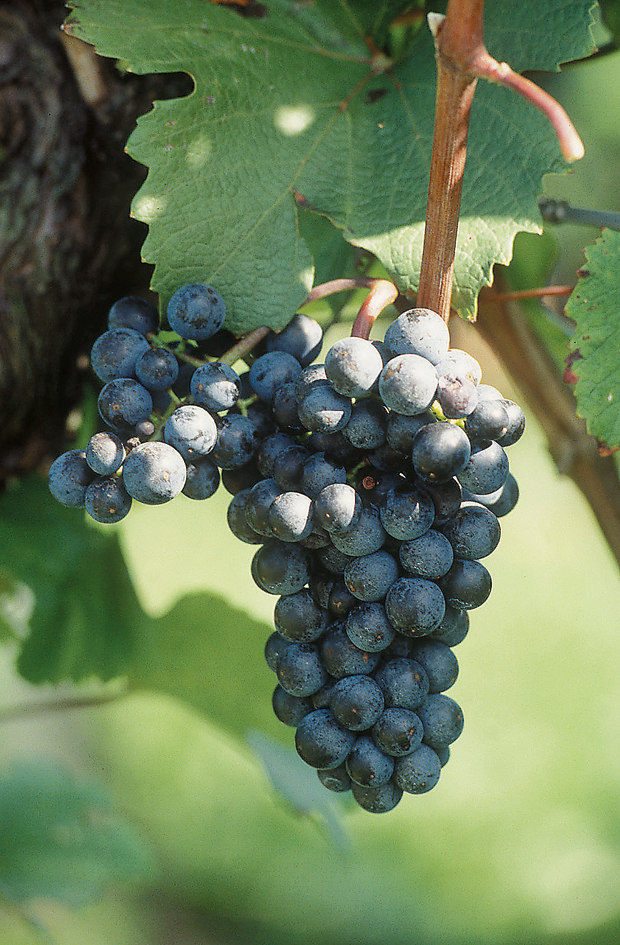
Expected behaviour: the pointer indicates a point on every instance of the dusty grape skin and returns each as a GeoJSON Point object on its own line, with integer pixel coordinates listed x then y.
{"type": "Point", "coordinates": [377, 800]}
{"type": "Point", "coordinates": [415, 606]}
{"type": "Point", "coordinates": [419, 771]}
{"type": "Point", "coordinates": [202, 480]}
{"type": "Point", "coordinates": [196, 311]}
{"type": "Point", "coordinates": [154, 473]}
{"type": "Point", "coordinates": [69, 477]}
{"type": "Point", "coordinates": [367, 765]}
{"type": "Point", "coordinates": [191, 431]}
{"type": "Point", "coordinates": [352, 366]}
{"type": "Point", "coordinates": [107, 500]}
{"type": "Point", "coordinates": [114, 354]}
{"type": "Point", "coordinates": [123, 402]}
{"type": "Point", "coordinates": [321, 741]}
{"type": "Point", "coordinates": [407, 384]}
{"type": "Point", "coordinates": [105, 453]}
{"type": "Point", "coordinates": [419, 331]}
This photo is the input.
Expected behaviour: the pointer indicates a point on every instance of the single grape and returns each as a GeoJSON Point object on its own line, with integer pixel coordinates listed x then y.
{"type": "Point", "coordinates": [370, 577]}
{"type": "Point", "coordinates": [439, 662]}
{"type": "Point", "coordinates": [238, 521]}
{"type": "Point", "coordinates": [335, 779]}
{"type": "Point", "coordinates": [274, 648]}
{"type": "Point", "coordinates": [157, 369]}
{"type": "Point", "coordinates": [236, 442]}
{"type": "Point", "coordinates": [281, 568]}
{"type": "Point", "coordinates": [107, 500]}
{"type": "Point", "coordinates": [419, 331]}
{"type": "Point", "coordinates": [503, 500]}
{"type": "Point", "coordinates": [456, 393]}
{"type": "Point", "coordinates": [440, 451]}
{"type": "Point", "coordinates": [463, 362]}
{"type": "Point", "coordinates": [341, 601]}
{"type": "Point", "coordinates": [300, 670]}
{"type": "Point", "coordinates": [516, 424]}
{"type": "Point", "coordinates": [366, 536]}
{"type": "Point", "coordinates": [337, 508]}
{"type": "Point", "coordinates": [271, 371]}
{"type": "Point", "coordinates": [323, 410]}
{"type": "Point", "coordinates": [442, 719]}
{"type": "Point", "coordinates": [124, 402]}
{"type": "Point", "coordinates": [407, 384]}
{"type": "Point", "coordinates": [474, 532]}
{"type": "Point", "coordinates": [192, 431]}
{"type": "Point", "coordinates": [415, 606]}
{"type": "Point", "coordinates": [429, 556]}
{"type": "Point", "coordinates": [486, 469]}
{"type": "Point", "coordinates": [466, 585]}
{"type": "Point", "coordinates": [114, 354]}
{"type": "Point", "coordinates": [302, 337]}
{"type": "Point", "coordinates": [290, 516]}
{"type": "Point", "coordinates": [489, 420]}
{"type": "Point", "coordinates": [367, 764]}
{"type": "Point", "coordinates": [419, 771]}
{"type": "Point", "coordinates": [299, 619]}
{"type": "Point", "coordinates": [397, 732]}
{"type": "Point", "coordinates": [356, 702]}
{"type": "Point", "coordinates": [202, 480]}
{"type": "Point", "coordinates": [154, 473]}
{"type": "Point", "coordinates": [353, 366]}
{"type": "Point", "coordinates": [342, 658]}
{"type": "Point", "coordinates": [215, 386]}
{"type": "Point", "coordinates": [69, 477]}
{"type": "Point", "coordinates": [453, 628]}
{"type": "Point", "coordinates": [366, 427]}
{"type": "Point", "coordinates": [368, 627]}
{"type": "Point", "coordinates": [407, 514]}
{"type": "Point", "coordinates": [377, 800]}
{"type": "Point", "coordinates": [321, 742]}
{"type": "Point", "coordinates": [196, 311]}
{"type": "Point", "coordinates": [404, 683]}
{"type": "Point", "coordinates": [284, 409]}
{"type": "Point", "coordinates": [290, 709]}
{"type": "Point", "coordinates": [134, 312]}
{"type": "Point", "coordinates": [105, 453]}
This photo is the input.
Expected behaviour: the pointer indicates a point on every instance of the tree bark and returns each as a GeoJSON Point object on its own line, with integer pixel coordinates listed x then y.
{"type": "Point", "coordinates": [68, 246]}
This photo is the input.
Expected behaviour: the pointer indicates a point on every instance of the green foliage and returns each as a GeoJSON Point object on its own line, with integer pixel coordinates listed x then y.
{"type": "Point", "coordinates": [85, 607]}
{"type": "Point", "coordinates": [210, 655]}
{"type": "Point", "coordinates": [61, 838]}
{"type": "Point", "coordinates": [595, 307]}
{"type": "Point", "coordinates": [292, 109]}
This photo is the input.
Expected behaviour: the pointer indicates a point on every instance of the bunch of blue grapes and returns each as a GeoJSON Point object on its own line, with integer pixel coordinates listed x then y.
{"type": "Point", "coordinates": [373, 484]}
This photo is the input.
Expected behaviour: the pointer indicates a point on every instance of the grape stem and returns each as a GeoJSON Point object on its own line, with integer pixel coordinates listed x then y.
{"type": "Point", "coordinates": [244, 345]}
{"type": "Point", "coordinates": [382, 293]}
{"type": "Point", "coordinates": [462, 59]}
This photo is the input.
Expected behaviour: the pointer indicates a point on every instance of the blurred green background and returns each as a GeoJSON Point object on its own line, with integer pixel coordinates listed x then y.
{"type": "Point", "coordinates": [207, 840]}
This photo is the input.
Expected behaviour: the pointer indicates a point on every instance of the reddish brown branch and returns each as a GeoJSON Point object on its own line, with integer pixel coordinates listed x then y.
{"type": "Point", "coordinates": [541, 293]}
{"type": "Point", "coordinates": [574, 451]}
{"type": "Point", "coordinates": [485, 66]}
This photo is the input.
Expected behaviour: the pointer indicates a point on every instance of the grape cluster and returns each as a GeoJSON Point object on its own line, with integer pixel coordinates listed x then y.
{"type": "Point", "coordinates": [373, 484]}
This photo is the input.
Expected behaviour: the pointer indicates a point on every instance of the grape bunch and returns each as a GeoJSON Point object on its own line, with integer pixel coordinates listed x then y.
{"type": "Point", "coordinates": [373, 484]}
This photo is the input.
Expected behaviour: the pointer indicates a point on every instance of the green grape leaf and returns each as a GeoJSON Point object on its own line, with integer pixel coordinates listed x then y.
{"type": "Point", "coordinates": [85, 608]}
{"type": "Point", "coordinates": [595, 307]}
{"type": "Point", "coordinates": [62, 838]}
{"type": "Point", "coordinates": [210, 655]}
{"type": "Point", "coordinates": [291, 110]}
